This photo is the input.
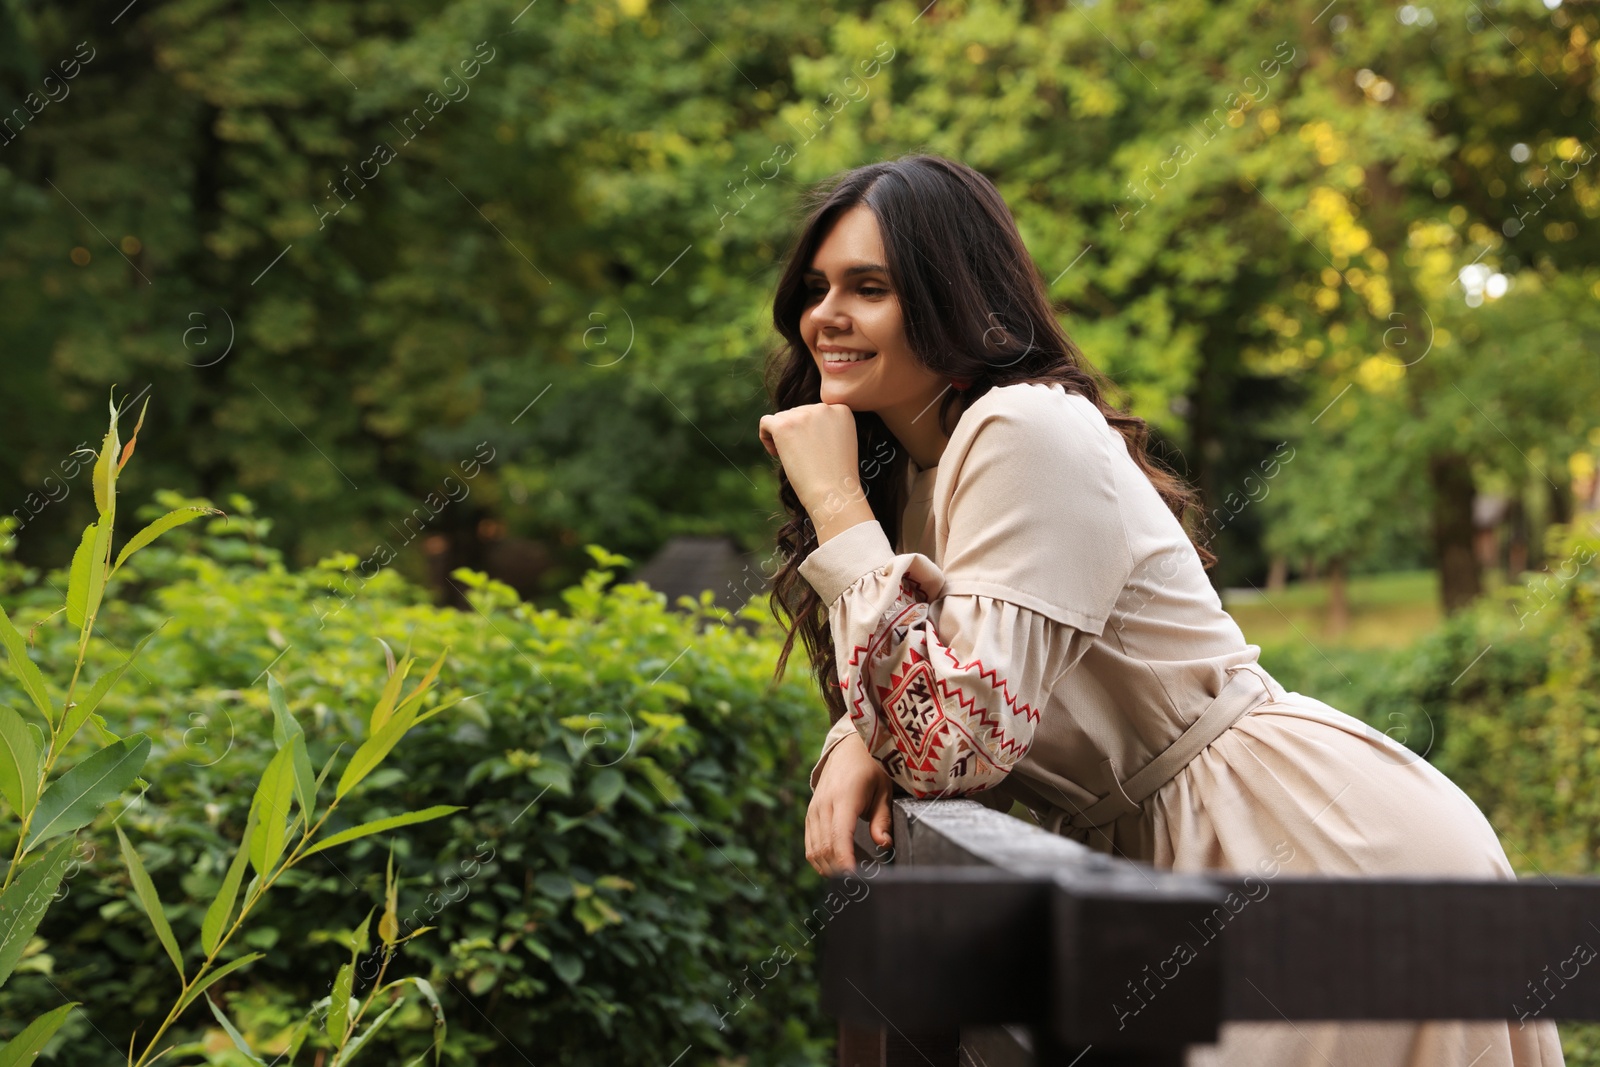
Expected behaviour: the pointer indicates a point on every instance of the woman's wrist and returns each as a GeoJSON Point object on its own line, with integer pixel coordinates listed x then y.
{"type": "Point", "coordinates": [830, 520]}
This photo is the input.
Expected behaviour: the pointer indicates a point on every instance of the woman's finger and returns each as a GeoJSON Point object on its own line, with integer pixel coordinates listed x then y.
{"type": "Point", "coordinates": [882, 817]}
{"type": "Point", "coordinates": [843, 852]}
{"type": "Point", "coordinates": [811, 834]}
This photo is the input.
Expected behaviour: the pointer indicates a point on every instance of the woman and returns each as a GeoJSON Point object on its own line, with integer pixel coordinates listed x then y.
{"type": "Point", "coordinates": [1001, 601]}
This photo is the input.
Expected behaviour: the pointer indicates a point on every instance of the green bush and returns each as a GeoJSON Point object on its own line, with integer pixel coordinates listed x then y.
{"type": "Point", "coordinates": [1522, 725]}
{"type": "Point", "coordinates": [1504, 698]}
{"type": "Point", "coordinates": [46, 805]}
{"type": "Point", "coordinates": [629, 853]}
{"type": "Point", "coordinates": [1515, 686]}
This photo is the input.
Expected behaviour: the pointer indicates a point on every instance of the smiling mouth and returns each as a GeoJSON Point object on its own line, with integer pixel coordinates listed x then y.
{"type": "Point", "coordinates": [846, 357]}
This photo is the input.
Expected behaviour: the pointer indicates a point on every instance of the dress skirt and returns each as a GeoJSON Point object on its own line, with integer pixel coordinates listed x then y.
{"type": "Point", "coordinates": [1300, 783]}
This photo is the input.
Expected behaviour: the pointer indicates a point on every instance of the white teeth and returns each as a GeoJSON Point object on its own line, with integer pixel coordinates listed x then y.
{"type": "Point", "coordinates": [838, 357]}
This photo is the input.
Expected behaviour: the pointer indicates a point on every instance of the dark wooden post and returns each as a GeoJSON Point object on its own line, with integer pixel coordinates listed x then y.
{"type": "Point", "coordinates": [991, 943]}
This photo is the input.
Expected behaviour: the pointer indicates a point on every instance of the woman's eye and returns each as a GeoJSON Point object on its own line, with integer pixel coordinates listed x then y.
{"type": "Point", "coordinates": [872, 290]}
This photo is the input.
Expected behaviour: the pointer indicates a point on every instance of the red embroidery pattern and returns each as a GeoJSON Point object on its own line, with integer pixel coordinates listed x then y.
{"type": "Point", "coordinates": [934, 736]}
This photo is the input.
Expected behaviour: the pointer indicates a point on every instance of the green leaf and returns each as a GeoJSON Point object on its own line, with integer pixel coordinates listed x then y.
{"type": "Point", "coordinates": [606, 787]}
{"type": "Point", "coordinates": [237, 1038]}
{"type": "Point", "coordinates": [327, 767]}
{"type": "Point", "coordinates": [422, 688]}
{"type": "Point", "coordinates": [347, 1054]}
{"type": "Point", "coordinates": [221, 909]}
{"type": "Point", "coordinates": [27, 670]}
{"type": "Point", "coordinates": [271, 804]}
{"type": "Point", "coordinates": [285, 727]}
{"type": "Point", "coordinates": [432, 997]}
{"type": "Point", "coordinates": [19, 763]}
{"type": "Point", "coordinates": [146, 891]}
{"type": "Point", "coordinates": [78, 579]}
{"type": "Point", "coordinates": [284, 724]}
{"type": "Point", "coordinates": [553, 885]}
{"type": "Point", "coordinates": [595, 914]}
{"type": "Point", "coordinates": [389, 924]}
{"type": "Point", "coordinates": [305, 780]}
{"type": "Point", "coordinates": [21, 1050]}
{"type": "Point", "coordinates": [159, 527]}
{"type": "Point", "coordinates": [75, 798]}
{"type": "Point", "coordinates": [105, 473]}
{"type": "Point", "coordinates": [79, 713]}
{"type": "Point", "coordinates": [301, 1032]}
{"type": "Point", "coordinates": [98, 574]}
{"type": "Point", "coordinates": [359, 941]}
{"type": "Point", "coordinates": [104, 733]}
{"type": "Point", "coordinates": [388, 653]}
{"type": "Point", "coordinates": [378, 826]}
{"type": "Point", "coordinates": [339, 1005]}
{"type": "Point", "coordinates": [665, 784]}
{"type": "Point", "coordinates": [365, 760]}
{"type": "Point", "coordinates": [226, 969]}
{"type": "Point", "coordinates": [386, 700]}
{"type": "Point", "coordinates": [25, 902]}
{"type": "Point", "coordinates": [568, 968]}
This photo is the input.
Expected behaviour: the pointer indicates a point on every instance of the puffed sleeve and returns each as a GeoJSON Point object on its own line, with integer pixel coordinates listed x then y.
{"type": "Point", "coordinates": [945, 672]}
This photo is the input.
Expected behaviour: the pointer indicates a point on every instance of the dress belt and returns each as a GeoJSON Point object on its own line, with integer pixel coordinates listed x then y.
{"type": "Point", "coordinates": [1248, 685]}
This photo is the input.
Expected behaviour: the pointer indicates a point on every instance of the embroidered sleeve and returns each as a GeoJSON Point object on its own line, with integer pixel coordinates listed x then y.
{"type": "Point", "coordinates": [945, 672]}
{"type": "Point", "coordinates": [946, 691]}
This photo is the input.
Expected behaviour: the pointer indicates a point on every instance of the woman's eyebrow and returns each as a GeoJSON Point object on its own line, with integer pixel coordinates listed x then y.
{"type": "Point", "coordinates": [859, 268]}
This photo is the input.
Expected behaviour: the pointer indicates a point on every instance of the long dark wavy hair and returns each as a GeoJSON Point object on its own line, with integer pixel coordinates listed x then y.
{"type": "Point", "coordinates": [974, 307]}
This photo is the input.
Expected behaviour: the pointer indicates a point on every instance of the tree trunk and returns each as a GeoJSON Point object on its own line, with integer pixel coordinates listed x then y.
{"type": "Point", "coordinates": [1516, 536]}
{"type": "Point", "coordinates": [1450, 475]}
{"type": "Point", "coordinates": [1560, 502]}
{"type": "Point", "coordinates": [1278, 573]}
{"type": "Point", "coordinates": [1338, 598]}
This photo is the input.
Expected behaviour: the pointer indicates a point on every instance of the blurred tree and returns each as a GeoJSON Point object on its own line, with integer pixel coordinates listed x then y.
{"type": "Point", "coordinates": [353, 245]}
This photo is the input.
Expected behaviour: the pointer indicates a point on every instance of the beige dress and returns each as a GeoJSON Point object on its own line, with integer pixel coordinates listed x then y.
{"type": "Point", "coordinates": [1046, 630]}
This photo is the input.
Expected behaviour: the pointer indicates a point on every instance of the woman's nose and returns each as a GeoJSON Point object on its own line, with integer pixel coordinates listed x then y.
{"type": "Point", "coordinates": [829, 311]}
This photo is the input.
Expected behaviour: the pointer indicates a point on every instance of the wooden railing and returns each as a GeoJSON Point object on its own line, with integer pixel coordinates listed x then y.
{"type": "Point", "coordinates": [981, 939]}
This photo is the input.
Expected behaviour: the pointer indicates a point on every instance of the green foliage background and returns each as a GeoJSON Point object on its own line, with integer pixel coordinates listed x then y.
{"type": "Point", "coordinates": [629, 855]}
{"type": "Point", "coordinates": [1253, 216]}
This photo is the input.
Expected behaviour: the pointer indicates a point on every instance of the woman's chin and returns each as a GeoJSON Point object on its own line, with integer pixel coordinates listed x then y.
{"type": "Point", "coordinates": [832, 393]}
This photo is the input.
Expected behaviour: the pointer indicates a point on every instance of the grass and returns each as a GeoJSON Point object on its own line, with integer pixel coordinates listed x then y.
{"type": "Point", "coordinates": [1387, 611]}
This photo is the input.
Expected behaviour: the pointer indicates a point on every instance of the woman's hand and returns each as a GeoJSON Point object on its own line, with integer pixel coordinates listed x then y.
{"type": "Point", "coordinates": [817, 445]}
{"type": "Point", "coordinates": [852, 784]}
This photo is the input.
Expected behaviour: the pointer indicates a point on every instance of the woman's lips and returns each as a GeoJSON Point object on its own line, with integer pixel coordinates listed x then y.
{"type": "Point", "coordinates": [840, 366]}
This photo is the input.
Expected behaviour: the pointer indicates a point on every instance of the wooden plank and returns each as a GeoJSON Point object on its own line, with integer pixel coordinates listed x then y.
{"type": "Point", "coordinates": [860, 1046]}
{"type": "Point", "coordinates": [1303, 949]}
{"type": "Point", "coordinates": [1111, 921]}
{"type": "Point", "coordinates": [937, 1048]}
{"type": "Point", "coordinates": [996, 1046]}
{"type": "Point", "coordinates": [1415, 949]}
{"type": "Point", "coordinates": [964, 833]}
{"type": "Point", "coordinates": [985, 946]}
{"type": "Point", "coordinates": [1115, 982]}
{"type": "Point", "coordinates": [1298, 948]}
{"type": "Point", "coordinates": [1018, 1046]}
{"type": "Point", "coordinates": [1385, 948]}
{"type": "Point", "coordinates": [914, 943]}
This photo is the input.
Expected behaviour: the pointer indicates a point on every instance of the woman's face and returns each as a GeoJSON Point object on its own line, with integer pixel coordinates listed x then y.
{"type": "Point", "coordinates": [853, 313]}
